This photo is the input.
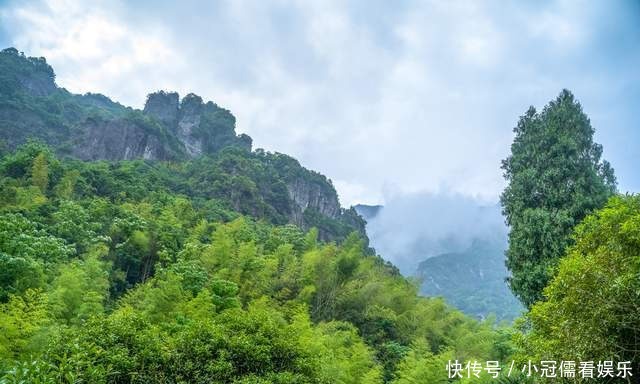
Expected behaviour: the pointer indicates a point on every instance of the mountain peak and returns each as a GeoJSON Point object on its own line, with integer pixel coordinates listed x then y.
{"type": "Point", "coordinates": [163, 106]}
{"type": "Point", "coordinates": [30, 74]}
{"type": "Point", "coordinates": [92, 127]}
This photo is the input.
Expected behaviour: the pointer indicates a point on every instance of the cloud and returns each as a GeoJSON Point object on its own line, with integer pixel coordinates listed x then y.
{"type": "Point", "coordinates": [90, 47]}
{"type": "Point", "coordinates": [413, 96]}
{"type": "Point", "coordinates": [413, 227]}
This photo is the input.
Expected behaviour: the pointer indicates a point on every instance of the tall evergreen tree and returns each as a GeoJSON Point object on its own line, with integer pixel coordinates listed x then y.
{"type": "Point", "coordinates": [555, 178]}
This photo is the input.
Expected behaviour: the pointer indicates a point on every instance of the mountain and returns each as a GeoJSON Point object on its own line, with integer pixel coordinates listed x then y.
{"type": "Point", "coordinates": [153, 246]}
{"type": "Point", "coordinates": [453, 244]}
{"type": "Point", "coordinates": [472, 280]}
{"type": "Point", "coordinates": [368, 212]}
{"type": "Point", "coordinates": [93, 127]}
{"type": "Point", "coordinates": [201, 134]}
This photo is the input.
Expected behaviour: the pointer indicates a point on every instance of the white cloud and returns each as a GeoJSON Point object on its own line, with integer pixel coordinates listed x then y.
{"type": "Point", "coordinates": [89, 47]}
{"type": "Point", "coordinates": [417, 96]}
{"type": "Point", "coordinates": [413, 227]}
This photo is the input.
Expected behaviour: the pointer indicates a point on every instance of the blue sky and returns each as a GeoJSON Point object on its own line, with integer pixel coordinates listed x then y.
{"type": "Point", "coordinates": [386, 98]}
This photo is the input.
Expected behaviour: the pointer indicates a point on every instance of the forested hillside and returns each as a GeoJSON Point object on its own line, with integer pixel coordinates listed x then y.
{"type": "Point", "coordinates": [111, 275]}
{"type": "Point", "coordinates": [221, 265]}
{"type": "Point", "coordinates": [190, 133]}
{"type": "Point", "coordinates": [472, 280]}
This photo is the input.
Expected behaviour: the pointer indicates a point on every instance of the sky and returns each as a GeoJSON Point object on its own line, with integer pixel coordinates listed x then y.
{"type": "Point", "coordinates": [388, 99]}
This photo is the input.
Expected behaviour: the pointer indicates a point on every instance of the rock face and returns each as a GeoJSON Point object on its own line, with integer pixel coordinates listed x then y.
{"type": "Point", "coordinates": [164, 106]}
{"type": "Point", "coordinates": [39, 85]}
{"type": "Point", "coordinates": [93, 127]}
{"type": "Point", "coordinates": [117, 139]}
{"type": "Point", "coordinates": [188, 124]}
{"type": "Point", "coordinates": [202, 128]}
{"type": "Point", "coordinates": [315, 204]}
{"type": "Point", "coordinates": [313, 196]}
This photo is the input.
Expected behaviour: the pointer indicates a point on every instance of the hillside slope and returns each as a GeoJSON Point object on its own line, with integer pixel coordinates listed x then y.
{"type": "Point", "coordinates": [472, 280]}
{"type": "Point", "coordinates": [200, 135]}
{"type": "Point", "coordinates": [93, 127]}
{"type": "Point", "coordinates": [198, 267]}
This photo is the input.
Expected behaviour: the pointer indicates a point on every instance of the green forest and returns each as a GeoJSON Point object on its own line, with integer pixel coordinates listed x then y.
{"type": "Point", "coordinates": [192, 270]}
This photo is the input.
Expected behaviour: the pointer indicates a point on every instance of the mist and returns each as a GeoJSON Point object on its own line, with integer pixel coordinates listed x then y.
{"type": "Point", "coordinates": [413, 227]}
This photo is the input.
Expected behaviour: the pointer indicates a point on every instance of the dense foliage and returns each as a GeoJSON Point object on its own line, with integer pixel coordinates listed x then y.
{"type": "Point", "coordinates": [574, 262]}
{"type": "Point", "coordinates": [555, 178]}
{"type": "Point", "coordinates": [137, 272]}
{"type": "Point", "coordinates": [592, 307]}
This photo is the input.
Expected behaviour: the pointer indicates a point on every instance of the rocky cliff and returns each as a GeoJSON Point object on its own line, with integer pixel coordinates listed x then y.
{"type": "Point", "coordinates": [317, 205]}
{"type": "Point", "coordinates": [202, 128]}
{"type": "Point", "coordinates": [313, 196]}
{"type": "Point", "coordinates": [117, 139]}
{"type": "Point", "coordinates": [93, 127]}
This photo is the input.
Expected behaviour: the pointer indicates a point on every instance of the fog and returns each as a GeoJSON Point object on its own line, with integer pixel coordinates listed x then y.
{"type": "Point", "coordinates": [413, 227]}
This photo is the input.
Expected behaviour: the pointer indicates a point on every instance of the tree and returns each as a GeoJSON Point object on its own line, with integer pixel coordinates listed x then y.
{"type": "Point", "coordinates": [421, 366]}
{"type": "Point", "coordinates": [40, 172]}
{"type": "Point", "coordinates": [17, 275]}
{"type": "Point", "coordinates": [66, 186]}
{"type": "Point", "coordinates": [20, 319]}
{"type": "Point", "coordinates": [592, 309]}
{"type": "Point", "coordinates": [80, 289]}
{"type": "Point", "coordinates": [555, 178]}
{"type": "Point", "coordinates": [20, 237]}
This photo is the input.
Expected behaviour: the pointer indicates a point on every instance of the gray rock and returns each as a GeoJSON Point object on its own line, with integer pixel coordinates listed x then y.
{"type": "Point", "coordinates": [163, 106]}
{"type": "Point", "coordinates": [306, 195]}
{"type": "Point", "coordinates": [117, 139]}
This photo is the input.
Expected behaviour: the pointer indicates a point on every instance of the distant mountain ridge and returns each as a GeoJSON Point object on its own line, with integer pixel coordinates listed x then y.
{"type": "Point", "coordinates": [468, 272]}
{"type": "Point", "coordinates": [472, 280]}
{"type": "Point", "coordinates": [368, 212]}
